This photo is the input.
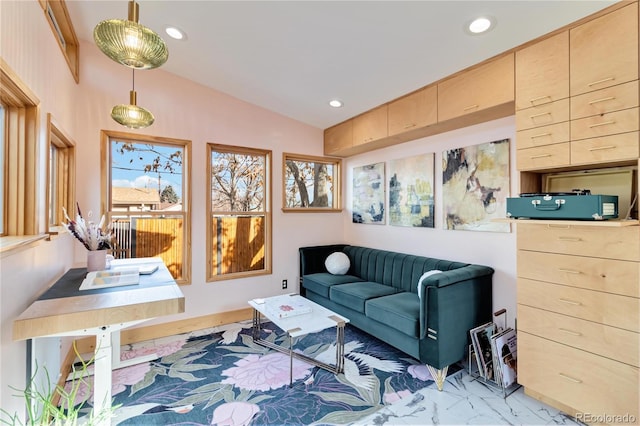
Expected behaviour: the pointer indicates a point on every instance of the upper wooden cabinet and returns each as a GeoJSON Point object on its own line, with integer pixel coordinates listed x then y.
{"type": "Point", "coordinates": [488, 85]}
{"type": "Point", "coordinates": [542, 72]}
{"type": "Point", "coordinates": [418, 109]}
{"type": "Point", "coordinates": [604, 51]}
{"type": "Point", "coordinates": [338, 138]}
{"type": "Point", "coordinates": [370, 126]}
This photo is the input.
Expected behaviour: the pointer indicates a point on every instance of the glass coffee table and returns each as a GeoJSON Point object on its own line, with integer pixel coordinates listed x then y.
{"type": "Point", "coordinates": [311, 318]}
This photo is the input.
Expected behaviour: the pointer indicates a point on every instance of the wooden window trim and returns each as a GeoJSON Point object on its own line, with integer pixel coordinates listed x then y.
{"type": "Point", "coordinates": [65, 171]}
{"type": "Point", "coordinates": [57, 15]}
{"type": "Point", "coordinates": [268, 154]}
{"type": "Point", "coordinates": [337, 176]}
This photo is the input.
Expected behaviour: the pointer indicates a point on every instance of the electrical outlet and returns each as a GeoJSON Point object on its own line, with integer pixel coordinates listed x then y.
{"type": "Point", "coordinates": [284, 283]}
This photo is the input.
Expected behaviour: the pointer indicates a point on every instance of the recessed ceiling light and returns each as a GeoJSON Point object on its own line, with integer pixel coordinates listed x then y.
{"type": "Point", "coordinates": [175, 33]}
{"type": "Point", "coordinates": [480, 25]}
{"type": "Point", "coordinates": [335, 103]}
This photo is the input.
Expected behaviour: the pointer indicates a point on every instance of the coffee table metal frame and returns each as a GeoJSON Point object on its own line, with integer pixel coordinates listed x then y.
{"type": "Point", "coordinates": [320, 318]}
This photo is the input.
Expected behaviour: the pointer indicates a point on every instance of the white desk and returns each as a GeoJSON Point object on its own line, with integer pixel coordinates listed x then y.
{"type": "Point", "coordinates": [63, 310]}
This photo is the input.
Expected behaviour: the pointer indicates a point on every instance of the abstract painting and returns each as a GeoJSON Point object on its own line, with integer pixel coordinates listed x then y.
{"type": "Point", "coordinates": [475, 186]}
{"type": "Point", "coordinates": [368, 194]}
{"type": "Point", "coordinates": [411, 184]}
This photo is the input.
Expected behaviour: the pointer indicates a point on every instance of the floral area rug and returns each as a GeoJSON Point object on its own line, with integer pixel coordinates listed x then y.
{"type": "Point", "coordinates": [224, 378]}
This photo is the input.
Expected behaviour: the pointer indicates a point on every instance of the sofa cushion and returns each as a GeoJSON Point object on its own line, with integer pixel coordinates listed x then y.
{"type": "Point", "coordinates": [400, 311]}
{"type": "Point", "coordinates": [321, 282]}
{"type": "Point", "coordinates": [337, 263]}
{"type": "Point", "coordinates": [354, 295]}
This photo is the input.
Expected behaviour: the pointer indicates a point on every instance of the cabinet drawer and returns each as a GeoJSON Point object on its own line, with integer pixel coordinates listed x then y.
{"type": "Point", "coordinates": [604, 308]}
{"type": "Point", "coordinates": [606, 124]}
{"type": "Point", "coordinates": [604, 51]}
{"type": "Point", "coordinates": [615, 98]}
{"type": "Point", "coordinates": [621, 243]}
{"type": "Point", "coordinates": [545, 135]}
{"type": "Point", "coordinates": [542, 72]}
{"type": "Point", "coordinates": [543, 157]}
{"type": "Point", "coordinates": [586, 382]}
{"type": "Point", "coordinates": [543, 115]}
{"type": "Point", "coordinates": [611, 342]}
{"type": "Point", "coordinates": [479, 88]}
{"type": "Point", "coordinates": [611, 276]}
{"type": "Point", "coordinates": [625, 146]}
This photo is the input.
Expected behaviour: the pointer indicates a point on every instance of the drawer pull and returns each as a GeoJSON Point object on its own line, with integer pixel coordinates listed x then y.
{"type": "Point", "coordinates": [570, 302]}
{"type": "Point", "coordinates": [571, 379]}
{"type": "Point", "coordinates": [569, 271]}
{"type": "Point", "coordinates": [533, 157]}
{"type": "Point", "coordinates": [604, 80]}
{"type": "Point", "coordinates": [572, 239]}
{"type": "Point", "coordinates": [534, 100]}
{"type": "Point", "coordinates": [601, 148]}
{"type": "Point", "coordinates": [474, 106]}
{"type": "Point", "coordinates": [539, 115]}
{"type": "Point", "coordinates": [540, 135]}
{"type": "Point", "coordinates": [573, 333]}
{"type": "Point", "coordinates": [550, 226]}
{"type": "Point", "coordinates": [604, 123]}
{"type": "Point", "coordinates": [610, 98]}
{"type": "Point", "coordinates": [410, 125]}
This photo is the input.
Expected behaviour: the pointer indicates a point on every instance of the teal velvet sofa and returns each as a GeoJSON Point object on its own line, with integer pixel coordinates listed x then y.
{"type": "Point", "coordinates": [379, 295]}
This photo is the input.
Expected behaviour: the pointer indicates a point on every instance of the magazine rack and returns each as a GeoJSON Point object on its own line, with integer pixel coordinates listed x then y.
{"type": "Point", "coordinates": [492, 356]}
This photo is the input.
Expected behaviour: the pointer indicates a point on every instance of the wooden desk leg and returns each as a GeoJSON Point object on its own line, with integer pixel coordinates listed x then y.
{"type": "Point", "coordinates": [102, 378]}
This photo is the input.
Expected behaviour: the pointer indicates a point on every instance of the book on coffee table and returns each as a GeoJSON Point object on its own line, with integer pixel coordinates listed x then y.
{"type": "Point", "coordinates": [287, 307]}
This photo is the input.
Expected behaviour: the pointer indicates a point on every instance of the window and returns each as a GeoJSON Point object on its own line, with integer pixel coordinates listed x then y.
{"type": "Point", "coordinates": [239, 200]}
{"type": "Point", "coordinates": [3, 149]}
{"type": "Point", "coordinates": [311, 184]}
{"type": "Point", "coordinates": [61, 188]}
{"type": "Point", "coordinates": [148, 198]}
{"type": "Point", "coordinates": [60, 22]}
{"type": "Point", "coordinates": [19, 141]}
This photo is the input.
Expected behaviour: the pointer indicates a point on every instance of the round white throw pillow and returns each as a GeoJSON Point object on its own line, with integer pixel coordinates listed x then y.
{"type": "Point", "coordinates": [337, 263]}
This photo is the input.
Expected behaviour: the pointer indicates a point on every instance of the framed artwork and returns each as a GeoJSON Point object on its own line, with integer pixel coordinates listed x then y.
{"type": "Point", "coordinates": [368, 194]}
{"type": "Point", "coordinates": [411, 182]}
{"type": "Point", "coordinates": [475, 186]}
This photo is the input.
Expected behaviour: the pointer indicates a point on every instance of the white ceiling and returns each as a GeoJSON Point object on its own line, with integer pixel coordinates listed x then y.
{"type": "Point", "coordinates": [292, 57]}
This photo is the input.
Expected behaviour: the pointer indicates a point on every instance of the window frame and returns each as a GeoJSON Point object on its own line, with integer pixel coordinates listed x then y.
{"type": "Point", "coordinates": [337, 183]}
{"type": "Point", "coordinates": [57, 15]}
{"type": "Point", "coordinates": [267, 213]}
{"type": "Point", "coordinates": [106, 137]}
{"type": "Point", "coordinates": [65, 175]}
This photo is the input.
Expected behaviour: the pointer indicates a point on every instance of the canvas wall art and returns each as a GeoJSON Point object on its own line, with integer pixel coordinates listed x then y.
{"type": "Point", "coordinates": [475, 186]}
{"type": "Point", "coordinates": [368, 194]}
{"type": "Point", "coordinates": [411, 182]}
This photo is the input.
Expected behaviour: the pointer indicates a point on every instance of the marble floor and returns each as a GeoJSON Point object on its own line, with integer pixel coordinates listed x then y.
{"type": "Point", "coordinates": [464, 400]}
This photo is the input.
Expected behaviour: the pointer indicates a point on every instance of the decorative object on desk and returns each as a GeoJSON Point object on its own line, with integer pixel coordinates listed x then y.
{"type": "Point", "coordinates": [220, 378]}
{"type": "Point", "coordinates": [103, 279]}
{"type": "Point", "coordinates": [92, 236]}
{"type": "Point", "coordinates": [96, 260]}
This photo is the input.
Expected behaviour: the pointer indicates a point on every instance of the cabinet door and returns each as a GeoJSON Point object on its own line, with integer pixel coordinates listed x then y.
{"type": "Point", "coordinates": [370, 126]}
{"type": "Point", "coordinates": [338, 138]}
{"type": "Point", "coordinates": [604, 51]}
{"type": "Point", "coordinates": [416, 110]}
{"type": "Point", "coordinates": [542, 72]}
{"type": "Point", "coordinates": [488, 85]}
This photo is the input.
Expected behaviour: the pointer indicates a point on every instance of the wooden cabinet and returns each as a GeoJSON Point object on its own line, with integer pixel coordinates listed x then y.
{"type": "Point", "coordinates": [488, 85]}
{"type": "Point", "coordinates": [418, 109]}
{"type": "Point", "coordinates": [542, 72]}
{"type": "Point", "coordinates": [604, 51]}
{"type": "Point", "coordinates": [579, 316]}
{"type": "Point", "coordinates": [370, 126]}
{"type": "Point", "coordinates": [338, 138]}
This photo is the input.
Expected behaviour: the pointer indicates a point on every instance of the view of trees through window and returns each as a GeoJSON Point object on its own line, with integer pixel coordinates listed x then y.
{"type": "Point", "coordinates": [311, 182]}
{"type": "Point", "coordinates": [239, 235]}
{"type": "Point", "coordinates": [147, 200]}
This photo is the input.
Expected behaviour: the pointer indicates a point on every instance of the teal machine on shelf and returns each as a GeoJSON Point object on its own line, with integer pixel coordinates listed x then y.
{"type": "Point", "coordinates": [574, 205]}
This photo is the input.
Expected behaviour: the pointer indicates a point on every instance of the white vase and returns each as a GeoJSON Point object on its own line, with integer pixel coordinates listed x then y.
{"type": "Point", "coordinates": [96, 260]}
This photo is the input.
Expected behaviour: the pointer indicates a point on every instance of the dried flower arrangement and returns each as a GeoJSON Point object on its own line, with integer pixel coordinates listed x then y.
{"type": "Point", "coordinates": [92, 236]}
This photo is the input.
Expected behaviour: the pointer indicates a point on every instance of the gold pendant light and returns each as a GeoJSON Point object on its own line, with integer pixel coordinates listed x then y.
{"type": "Point", "coordinates": [129, 43]}
{"type": "Point", "coordinates": [132, 115]}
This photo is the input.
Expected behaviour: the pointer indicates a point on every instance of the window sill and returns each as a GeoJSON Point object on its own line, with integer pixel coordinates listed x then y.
{"type": "Point", "coordinates": [14, 244]}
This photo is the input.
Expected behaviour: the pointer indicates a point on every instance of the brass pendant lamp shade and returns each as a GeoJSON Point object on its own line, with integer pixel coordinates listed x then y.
{"type": "Point", "coordinates": [132, 115]}
{"type": "Point", "coordinates": [129, 43]}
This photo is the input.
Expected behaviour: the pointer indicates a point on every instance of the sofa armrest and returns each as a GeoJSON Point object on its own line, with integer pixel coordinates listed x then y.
{"type": "Point", "coordinates": [470, 285]}
{"type": "Point", "coordinates": [312, 258]}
